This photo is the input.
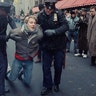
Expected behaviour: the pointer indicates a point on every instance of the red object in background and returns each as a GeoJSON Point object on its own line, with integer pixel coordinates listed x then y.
{"type": "Point", "coordinates": [60, 3]}
{"type": "Point", "coordinates": [63, 4]}
{"type": "Point", "coordinates": [90, 2]}
{"type": "Point", "coordinates": [79, 3]}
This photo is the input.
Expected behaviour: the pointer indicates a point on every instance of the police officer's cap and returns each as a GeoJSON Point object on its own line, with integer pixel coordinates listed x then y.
{"type": "Point", "coordinates": [50, 4]}
{"type": "Point", "coordinates": [5, 6]}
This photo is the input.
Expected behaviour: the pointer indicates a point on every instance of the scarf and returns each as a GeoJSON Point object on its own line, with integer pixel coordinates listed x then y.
{"type": "Point", "coordinates": [27, 30]}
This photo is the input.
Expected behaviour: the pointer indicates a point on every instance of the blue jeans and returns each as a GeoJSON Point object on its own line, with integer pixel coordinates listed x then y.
{"type": "Point", "coordinates": [48, 57]}
{"type": "Point", "coordinates": [72, 35]}
{"type": "Point", "coordinates": [3, 69]}
{"type": "Point", "coordinates": [17, 67]}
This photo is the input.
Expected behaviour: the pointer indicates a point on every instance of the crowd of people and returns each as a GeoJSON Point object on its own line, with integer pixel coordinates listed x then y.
{"type": "Point", "coordinates": [78, 32]}
{"type": "Point", "coordinates": [81, 30]}
{"type": "Point", "coordinates": [48, 35]}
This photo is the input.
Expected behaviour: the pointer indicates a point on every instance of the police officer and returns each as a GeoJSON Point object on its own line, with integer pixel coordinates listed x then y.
{"type": "Point", "coordinates": [4, 20]}
{"type": "Point", "coordinates": [54, 27]}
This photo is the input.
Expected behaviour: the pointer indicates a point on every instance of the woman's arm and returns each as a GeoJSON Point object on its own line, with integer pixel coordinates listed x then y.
{"type": "Point", "coordinates": [15, 35]}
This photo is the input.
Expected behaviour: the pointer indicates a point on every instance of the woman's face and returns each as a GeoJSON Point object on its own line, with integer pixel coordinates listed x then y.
{"type": "Point", "coordinates": [31, 24]}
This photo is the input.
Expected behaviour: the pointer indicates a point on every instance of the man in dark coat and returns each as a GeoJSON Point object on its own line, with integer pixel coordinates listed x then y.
{"type": "Point", "coordinates": [91, 35]}
{"type": "Point", "coordinates": [54, 26]}
{"type": "Point", "coordinates": [4, 20]}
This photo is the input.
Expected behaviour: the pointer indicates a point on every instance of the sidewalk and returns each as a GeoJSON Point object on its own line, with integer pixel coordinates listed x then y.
{"type": "Point", "coordinates": [78, 79]}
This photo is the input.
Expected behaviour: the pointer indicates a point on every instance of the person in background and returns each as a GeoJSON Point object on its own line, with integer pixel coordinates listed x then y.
{"type": "Point", "coordinates": [5, 19]}
{"type": "Point", "coordinates": [91, 35]}
{"type": "Point", "coordinates": [26, 38]}
{"type": "Point", "coordinates": [22, 19]}
{"type": "Point", "coordinates": [54, 26]}
{"type": "Point", "coordinates": [73, 31]}
{"type": "Point", "coordinates": [82, 34]}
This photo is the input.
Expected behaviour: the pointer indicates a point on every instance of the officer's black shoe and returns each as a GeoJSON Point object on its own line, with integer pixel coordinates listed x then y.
{"type": "Point", "coordinates": [56, 88]}
{"type": "Point", "coordinates": [46, 91]}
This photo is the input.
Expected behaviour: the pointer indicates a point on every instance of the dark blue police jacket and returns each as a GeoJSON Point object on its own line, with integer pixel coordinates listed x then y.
{"type": "Point", "coordinates": [59, 24]}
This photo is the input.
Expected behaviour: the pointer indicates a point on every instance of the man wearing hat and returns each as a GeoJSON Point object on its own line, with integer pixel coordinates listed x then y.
{"type": "Point", "coordinates": [73, 31]}
{"type": "Point", "coordinates": [4, 20]}
{"type": "Point", "coordinates": [54, 27]}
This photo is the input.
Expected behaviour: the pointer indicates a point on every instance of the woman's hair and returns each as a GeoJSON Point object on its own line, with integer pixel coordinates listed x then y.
{"type": "Point", "coordinates": [28, 17]}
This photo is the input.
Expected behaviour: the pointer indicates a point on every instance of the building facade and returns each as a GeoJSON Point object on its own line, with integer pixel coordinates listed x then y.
{"type": "Point", "coordinates": [25, 5]}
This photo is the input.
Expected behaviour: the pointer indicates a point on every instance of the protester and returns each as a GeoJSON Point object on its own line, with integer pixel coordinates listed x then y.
{"type": "Point", "coordinates": [4, 20]}
{"type": "Point", "coordinates": [54, 26]}
{"type": "Point", "coordinates": [91, 35]}
{"type": "Point", "coordinates": [26, 38]}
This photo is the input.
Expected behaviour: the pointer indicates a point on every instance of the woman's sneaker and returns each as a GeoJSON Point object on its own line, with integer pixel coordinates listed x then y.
{"type": "Point", "coordinates": [78, 55]}
{"type": "Point", "coordinates": [85, 56]}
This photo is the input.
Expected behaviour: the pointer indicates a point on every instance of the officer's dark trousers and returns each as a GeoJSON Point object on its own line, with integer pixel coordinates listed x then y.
{"type": "Point", "coordinates": [47, 57]}
{"type": "Point", "coordinates": [3, 69]}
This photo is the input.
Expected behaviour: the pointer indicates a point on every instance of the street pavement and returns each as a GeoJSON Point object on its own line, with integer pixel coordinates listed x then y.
{"type": "Point", "coordinates": [78, 77]}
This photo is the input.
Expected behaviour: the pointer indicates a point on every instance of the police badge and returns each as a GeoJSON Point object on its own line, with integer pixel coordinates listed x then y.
{"type": "Point", "coordinates": [55, 17]}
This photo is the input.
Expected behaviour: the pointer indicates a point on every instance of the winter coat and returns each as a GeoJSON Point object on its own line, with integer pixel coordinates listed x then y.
{"type": "Point", "coordinates": [91, 35]}
{"type": "Point", "coordinates": [82, 34]}
{"type": "Point", "coordinates": [55, 21]}
{"type": "Point", "coordinates": [72, 22]}
{"type": "Point", "coordinates": [26, 45]}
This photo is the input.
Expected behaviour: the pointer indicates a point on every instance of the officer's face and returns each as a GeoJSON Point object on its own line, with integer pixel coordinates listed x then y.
{"type": "Point", "coordinates": [48, 11]}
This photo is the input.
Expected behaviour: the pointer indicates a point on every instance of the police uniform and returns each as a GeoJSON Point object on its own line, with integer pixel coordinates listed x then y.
{"type": "Point", "coordinates": [4, 20]}
{"type": "Point", "coordinates": [54, 41]}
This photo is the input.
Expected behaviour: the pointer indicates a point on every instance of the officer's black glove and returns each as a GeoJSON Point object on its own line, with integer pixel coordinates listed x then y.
{"type": "Point", "coordinates": [50, 32]}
